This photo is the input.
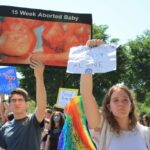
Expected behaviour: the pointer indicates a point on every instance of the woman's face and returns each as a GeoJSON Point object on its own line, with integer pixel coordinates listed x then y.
{"type": "Point", "coordinates": [145, 121]}
{"type": "Point", "coordinates": [56, 117]}
{"type": "Point", "coordinates": [120, 104]}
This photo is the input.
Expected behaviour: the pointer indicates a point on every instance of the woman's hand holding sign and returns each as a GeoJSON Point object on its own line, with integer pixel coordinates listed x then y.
{"type": "Point", "coordinates": [94, 42]}
{"type": "Point", "coordinates": [94, 57]}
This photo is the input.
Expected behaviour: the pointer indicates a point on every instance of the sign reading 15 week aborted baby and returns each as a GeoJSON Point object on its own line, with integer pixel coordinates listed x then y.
{"type": "Point", "coordinates": [87, 60]}
{"type": "Point", "coordinates": [64, 96]}
{"type": "Point", "coordinates": [43, 34]}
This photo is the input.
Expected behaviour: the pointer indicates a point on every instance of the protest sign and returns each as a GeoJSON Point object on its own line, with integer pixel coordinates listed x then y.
{"type": "Point", "coordinates": [8, 79]}
{"type": "Point", "coordinates": [64, 96]}
{"type": "Point", "coordinates": [87, 60]}
{"type": "Point", "coordinates": [42, 34]}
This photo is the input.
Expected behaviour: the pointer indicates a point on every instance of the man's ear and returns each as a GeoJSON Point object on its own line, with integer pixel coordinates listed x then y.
{"type": "Point", "coordinates": [27, 105]}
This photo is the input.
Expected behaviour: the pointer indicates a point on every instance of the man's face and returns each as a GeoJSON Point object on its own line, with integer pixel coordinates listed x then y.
{"type": "Point", "coordinates": [18, 104]}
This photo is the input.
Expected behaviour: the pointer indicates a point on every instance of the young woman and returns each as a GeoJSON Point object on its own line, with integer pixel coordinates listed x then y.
{"type": "Point", "coordinates": [57, 122]}
{"type": "Point", "coordinates": [117, 123]}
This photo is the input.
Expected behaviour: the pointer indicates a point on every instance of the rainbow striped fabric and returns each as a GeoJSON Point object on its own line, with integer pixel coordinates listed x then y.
{"type": "Point", "coordinates": [75, 134]}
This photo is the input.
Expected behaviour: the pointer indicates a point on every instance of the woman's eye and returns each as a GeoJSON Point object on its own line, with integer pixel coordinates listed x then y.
{"type": "Point", "coordinates": [115, 100]}
{"type": "Point", "coordinates": [126, 100]}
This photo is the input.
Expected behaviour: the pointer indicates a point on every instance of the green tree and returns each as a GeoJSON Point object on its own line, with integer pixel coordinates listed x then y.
{"type": "Point", "coordinates": [140, 65]}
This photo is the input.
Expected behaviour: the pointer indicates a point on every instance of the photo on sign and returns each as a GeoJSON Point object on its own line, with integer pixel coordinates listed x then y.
{"type": "Point", "coordinates": [44, 35]}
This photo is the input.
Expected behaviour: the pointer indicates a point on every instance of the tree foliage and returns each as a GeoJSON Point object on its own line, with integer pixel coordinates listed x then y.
{"type": "Point", "coordinates": [140, 65]}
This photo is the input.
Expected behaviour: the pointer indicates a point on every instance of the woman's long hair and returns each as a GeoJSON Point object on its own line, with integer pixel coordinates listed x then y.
{"type": "Point", "coordinates": [107, 114]}
{"type": "Point", "coordinates": [61, 121]}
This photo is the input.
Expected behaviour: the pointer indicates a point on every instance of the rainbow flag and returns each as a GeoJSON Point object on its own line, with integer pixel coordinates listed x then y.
{"type": "Point", "coordinates": [75, 134]}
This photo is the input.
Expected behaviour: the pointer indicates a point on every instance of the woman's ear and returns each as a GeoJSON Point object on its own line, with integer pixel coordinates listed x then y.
{"type": "Point", "coordinates": [131, 107]}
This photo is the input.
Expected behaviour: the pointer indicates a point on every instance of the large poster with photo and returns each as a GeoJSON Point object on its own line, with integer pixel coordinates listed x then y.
{"type": "Point", "coordinates": [42, 34]}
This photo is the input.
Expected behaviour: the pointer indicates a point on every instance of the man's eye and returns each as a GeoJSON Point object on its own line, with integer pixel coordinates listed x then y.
{"type": "Point", "coordinates": [13, 100]}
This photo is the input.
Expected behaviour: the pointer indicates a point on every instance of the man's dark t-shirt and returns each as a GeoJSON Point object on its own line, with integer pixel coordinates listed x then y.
{"type": "Point", "coordinates": [21, 134]}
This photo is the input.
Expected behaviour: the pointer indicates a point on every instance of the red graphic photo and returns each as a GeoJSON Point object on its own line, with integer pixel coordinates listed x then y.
{"type": "Point", "coordinates": [47, 40]}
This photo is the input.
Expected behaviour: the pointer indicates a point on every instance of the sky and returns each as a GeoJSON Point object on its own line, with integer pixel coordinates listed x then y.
{"type": "Point", "coordinates": [126, 19]}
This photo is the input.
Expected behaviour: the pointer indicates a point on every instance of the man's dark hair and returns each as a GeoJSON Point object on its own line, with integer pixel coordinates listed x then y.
{"type": "Point", "coordinates": [18, 91]}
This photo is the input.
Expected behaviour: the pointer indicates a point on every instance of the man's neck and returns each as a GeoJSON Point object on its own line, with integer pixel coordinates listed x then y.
{"type": "Point", "coordinates": [20, 116]}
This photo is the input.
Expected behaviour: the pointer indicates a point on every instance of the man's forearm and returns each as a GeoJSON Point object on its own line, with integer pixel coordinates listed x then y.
{"type": "Point", "coordinates": [40, 98]}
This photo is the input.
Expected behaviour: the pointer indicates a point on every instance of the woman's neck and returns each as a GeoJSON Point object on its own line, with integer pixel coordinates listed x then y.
{"type": "Point", "coordinates": [57, 124]}
{"type": "Point", "coordinates": [123, 123]}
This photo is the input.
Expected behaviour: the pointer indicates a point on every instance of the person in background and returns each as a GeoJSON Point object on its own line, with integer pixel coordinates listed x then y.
{"type": "Point", "coordinates": [3, 109]}
{"type": "Point", "coordinates": [146, 120]}
{"type": "Point", "coordinates": [48, 113]}
{"type": "Point", "coordinates": [117, 124]}
{"type": "Point", "coordinates": [46, 125]}
{"type": "Point", "coordinates": [45, 133]}
{"type": "Point", "coordinates": [24, 132]}
{"type": "Point", "coordinates": [57, 122]}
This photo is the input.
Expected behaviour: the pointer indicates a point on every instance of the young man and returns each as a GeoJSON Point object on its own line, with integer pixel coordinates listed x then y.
{"type": "Point", "coordinates": [23, 132]}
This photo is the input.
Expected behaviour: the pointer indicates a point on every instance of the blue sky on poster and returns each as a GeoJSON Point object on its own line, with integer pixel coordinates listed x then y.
{"type": "Point", "coordinates": [126, 18]}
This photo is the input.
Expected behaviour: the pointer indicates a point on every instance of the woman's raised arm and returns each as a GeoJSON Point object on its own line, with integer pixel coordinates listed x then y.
{"type": "Point", "coordinates": [90, 105]}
